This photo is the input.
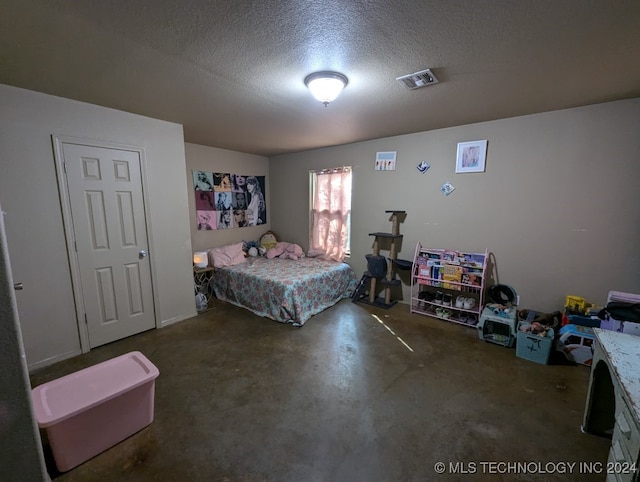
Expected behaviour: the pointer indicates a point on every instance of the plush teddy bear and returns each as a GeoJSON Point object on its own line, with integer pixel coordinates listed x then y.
{"type": "Point", "coordinates": [285, 250]}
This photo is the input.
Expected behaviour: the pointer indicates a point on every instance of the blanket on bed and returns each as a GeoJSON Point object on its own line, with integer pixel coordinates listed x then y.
{"type": "Point", "coordinates": [285, 290]}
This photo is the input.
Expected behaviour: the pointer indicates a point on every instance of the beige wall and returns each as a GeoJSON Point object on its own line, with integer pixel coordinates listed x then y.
{"type": "Point", "coordinates": [202, 158]}
{"type": "Point", "coordinates": [558, 205]}
{"type": "Point", "coordinates": [36, 240]}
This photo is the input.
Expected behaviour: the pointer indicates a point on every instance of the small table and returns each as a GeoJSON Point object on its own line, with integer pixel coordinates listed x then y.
{"type": "Point", "coordinates": [202, 280]}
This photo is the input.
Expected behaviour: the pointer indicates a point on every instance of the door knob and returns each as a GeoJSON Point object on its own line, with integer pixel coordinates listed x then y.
{"type": "Point", "coordinates": [142, 254]}
{"type": "Point", "coordinates": [17, 286]}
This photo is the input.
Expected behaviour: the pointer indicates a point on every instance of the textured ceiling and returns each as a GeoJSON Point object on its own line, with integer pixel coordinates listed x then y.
{"type": "Point", "coordinates": [232, 71]}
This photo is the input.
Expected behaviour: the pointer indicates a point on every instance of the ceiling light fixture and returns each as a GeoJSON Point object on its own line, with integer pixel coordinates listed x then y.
{"type": "Point", "coordinates": [326, 86]}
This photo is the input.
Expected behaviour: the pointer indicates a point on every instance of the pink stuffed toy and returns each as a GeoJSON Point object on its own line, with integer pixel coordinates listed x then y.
{"type": "Point", "coordinates": [285, 250]}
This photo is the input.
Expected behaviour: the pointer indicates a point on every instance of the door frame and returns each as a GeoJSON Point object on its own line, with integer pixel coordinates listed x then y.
{"type": "Point", "coordinates": [69, 233]}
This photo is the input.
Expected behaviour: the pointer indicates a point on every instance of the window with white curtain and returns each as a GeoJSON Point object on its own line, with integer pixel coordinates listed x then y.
{"type": "Point", "coordinates": [330, 217]}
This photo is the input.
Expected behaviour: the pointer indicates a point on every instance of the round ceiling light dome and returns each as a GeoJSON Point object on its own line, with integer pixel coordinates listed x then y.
{"type": "Point", "coordinates": [326, 86]}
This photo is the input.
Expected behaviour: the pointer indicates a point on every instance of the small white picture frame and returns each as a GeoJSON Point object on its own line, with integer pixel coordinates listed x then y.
{"type": "Point", "coordinates": [386, 161]}
{"type": "Point", "coordinates": [471, 156]}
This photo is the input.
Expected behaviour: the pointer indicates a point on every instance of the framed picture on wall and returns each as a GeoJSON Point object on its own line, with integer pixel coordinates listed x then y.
{"type": "Point", "coordinates": [386, 161]}
{"type": "Point", "coordinates": [471, 156]}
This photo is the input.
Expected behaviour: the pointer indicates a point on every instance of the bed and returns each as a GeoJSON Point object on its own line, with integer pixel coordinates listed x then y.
{"type": "Point", "coordinates": [285, 290]}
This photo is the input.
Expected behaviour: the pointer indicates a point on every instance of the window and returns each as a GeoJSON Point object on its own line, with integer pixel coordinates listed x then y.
{"type": "Point", "coordinates": [574, 340]}
{"type": "Point", "coordinates": [330, 213]}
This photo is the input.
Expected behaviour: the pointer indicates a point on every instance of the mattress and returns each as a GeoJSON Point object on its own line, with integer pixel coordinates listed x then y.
{"type": "Point", "coordinates": [285, 290]}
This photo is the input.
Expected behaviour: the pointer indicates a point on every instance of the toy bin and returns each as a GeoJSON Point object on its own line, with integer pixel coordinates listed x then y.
{"type": "Point", "coordinates": [87, 412]}
{"type": "Point", "coordinates": [534, 348]}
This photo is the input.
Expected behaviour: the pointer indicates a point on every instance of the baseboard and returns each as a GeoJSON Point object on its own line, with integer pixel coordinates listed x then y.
{"type": "Point", "coordinates": [54, 359]}
{"type": "Point", "coordinates": [177, 319]}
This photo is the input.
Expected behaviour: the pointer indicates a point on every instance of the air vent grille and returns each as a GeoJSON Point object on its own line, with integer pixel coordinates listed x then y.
{"type": "Point", "coordinates": [418, 79]}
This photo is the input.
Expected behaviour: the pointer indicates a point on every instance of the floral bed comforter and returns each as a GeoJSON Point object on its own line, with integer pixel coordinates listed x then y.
{"type": "Point", "coordinates": [285, 290]}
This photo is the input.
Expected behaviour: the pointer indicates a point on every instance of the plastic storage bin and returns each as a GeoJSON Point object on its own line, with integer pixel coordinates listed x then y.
{"type": "Point", "coordinates": [534, 348]}
{"type": "Point", "coordinates": [86, 412]}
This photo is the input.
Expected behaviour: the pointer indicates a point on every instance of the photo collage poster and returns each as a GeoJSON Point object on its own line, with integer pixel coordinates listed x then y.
{"type": "Point", "coordinates": [225, 201]}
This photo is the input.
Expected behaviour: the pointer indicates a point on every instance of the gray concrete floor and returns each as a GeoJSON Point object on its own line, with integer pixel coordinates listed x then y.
{"type": "Point", "coordinates": [243, 398]}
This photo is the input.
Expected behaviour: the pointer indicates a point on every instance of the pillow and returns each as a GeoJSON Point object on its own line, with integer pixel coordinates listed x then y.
{"type": "Point", "coordinates": [228, 255]}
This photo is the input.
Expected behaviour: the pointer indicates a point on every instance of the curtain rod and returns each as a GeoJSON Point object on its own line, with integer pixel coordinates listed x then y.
{"type": "Point", "coordinates": [333, 169]}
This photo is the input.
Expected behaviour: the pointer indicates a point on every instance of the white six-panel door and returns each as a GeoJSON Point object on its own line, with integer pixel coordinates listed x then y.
{"type": "Point", "coordinates": [108, 216]}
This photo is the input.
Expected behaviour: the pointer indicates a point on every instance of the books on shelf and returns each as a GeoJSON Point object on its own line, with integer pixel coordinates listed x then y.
{"type": "Point", "coordinates": [451, 273]}
{"type": "Point", "coordinates": [448, 268]}
{"type": "Point", "coordinates": [473, 279]}
{"type": "Point", "coordinates": [447, 256]}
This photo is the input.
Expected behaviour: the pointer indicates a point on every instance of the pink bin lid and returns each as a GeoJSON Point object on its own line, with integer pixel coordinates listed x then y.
{"type": "Point", "coordinates": [64, 397]}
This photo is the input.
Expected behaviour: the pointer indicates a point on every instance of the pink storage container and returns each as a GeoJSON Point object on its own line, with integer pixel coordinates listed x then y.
{"type": "Point", "coordinates": [86, 412]}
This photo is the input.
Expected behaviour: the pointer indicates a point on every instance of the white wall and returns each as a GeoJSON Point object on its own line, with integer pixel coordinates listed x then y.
{"type": "Point", "coordinates": [29, 195]}
{"type": "Point", "coordinates": [558, 205]}
{"type": "Point", "coordinates": [203, 158]}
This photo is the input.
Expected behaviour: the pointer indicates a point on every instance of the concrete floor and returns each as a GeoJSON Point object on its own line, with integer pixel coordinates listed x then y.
{"type": "Point", "coordinates": [243, 398]}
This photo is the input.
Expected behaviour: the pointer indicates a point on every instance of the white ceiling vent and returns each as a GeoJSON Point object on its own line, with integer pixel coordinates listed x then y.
{"type": "Point", "coordinates": [418, 80]}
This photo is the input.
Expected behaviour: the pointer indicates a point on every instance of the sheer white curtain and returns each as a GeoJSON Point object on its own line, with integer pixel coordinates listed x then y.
{"type": "Point", "coordinates": [330, 213]}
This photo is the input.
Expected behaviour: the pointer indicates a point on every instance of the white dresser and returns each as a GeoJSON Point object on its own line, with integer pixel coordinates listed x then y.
{"type": "Point", "coordinates": [613, 401]}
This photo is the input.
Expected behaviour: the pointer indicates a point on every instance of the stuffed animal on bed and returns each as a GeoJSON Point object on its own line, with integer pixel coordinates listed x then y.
{"type": "Point", "coordinates": [285, 250]}
{"type": "Point", "coordinates": [251, 248]}
{"type": "Point", "coordinates": [268, 240]}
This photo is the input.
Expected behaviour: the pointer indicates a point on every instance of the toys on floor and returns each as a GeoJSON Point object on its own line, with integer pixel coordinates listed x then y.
{"type": "Point", "coordinates": [576, 343]}
{"type": "Point", "coordinates": [535, 328]}
{"type": "Point", "coordinates": [578, 311]}
{"type": "Point", "coordinates": [536, 335]}
{"type": "Point", "coordinates": [576, 305]}
{"type": "Point", "coordinates": [621, 313]}
{"type": "Point", "coordinates": [538, 322]}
